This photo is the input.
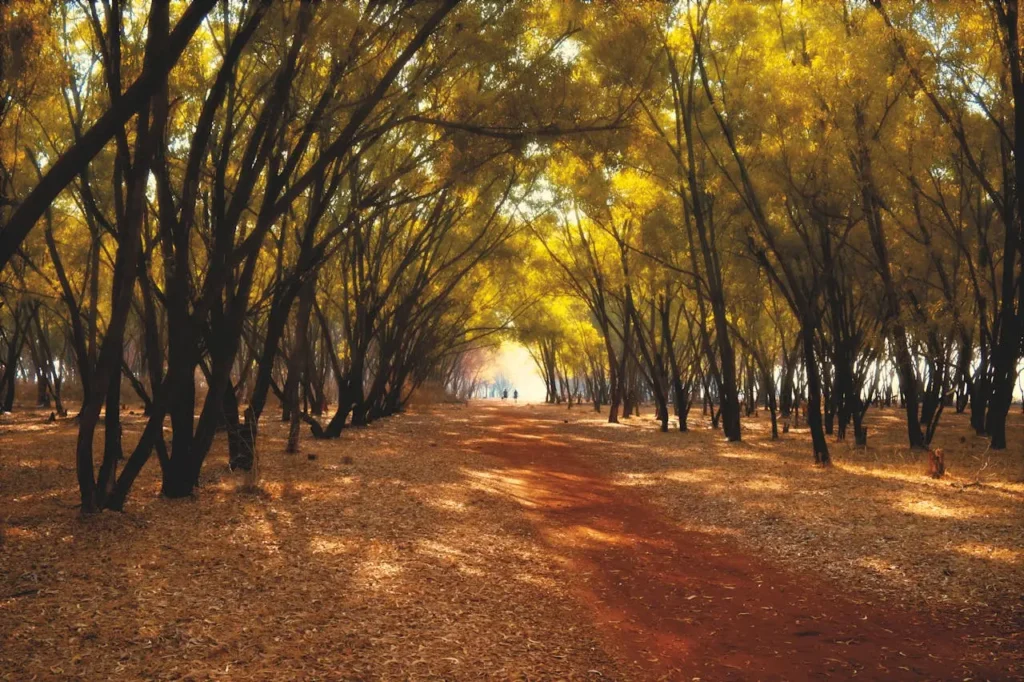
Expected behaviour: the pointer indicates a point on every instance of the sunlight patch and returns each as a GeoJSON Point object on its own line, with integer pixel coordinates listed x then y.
{"type": "Point", "coordinates": [981, 551]}
{"type": "Point", "coordinates": [379, 571]}
{"type": "Point", "coordinates": [439, 550]}
{"type": "Point", "coordinates": [447, 504]}
{"type": "Point", "coordinates": [636, 479]}
{"type": "Point", "coordinates": [935, 510]}
{"type": "Point", "coordinates": [333, 546]}
{"type": "Point", "coordinates": [684, 476]}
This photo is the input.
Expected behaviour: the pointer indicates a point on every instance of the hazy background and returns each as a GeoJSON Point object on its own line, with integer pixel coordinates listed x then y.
{"type": "Point", "coordinates": [514, 361]}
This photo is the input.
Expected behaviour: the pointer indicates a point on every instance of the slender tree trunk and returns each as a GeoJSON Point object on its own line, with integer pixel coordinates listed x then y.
{"type": "Point", "coordinates": [298, 361]}
{"type": "Point", "coordinates": [814, 421]}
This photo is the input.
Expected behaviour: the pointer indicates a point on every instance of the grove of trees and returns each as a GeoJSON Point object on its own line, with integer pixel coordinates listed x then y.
{"type": "Point", "coordinates": [211, 206]}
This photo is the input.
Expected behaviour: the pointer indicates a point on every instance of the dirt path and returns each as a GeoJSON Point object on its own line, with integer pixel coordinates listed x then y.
{"type": "Point", "coordinates": [680, 605]}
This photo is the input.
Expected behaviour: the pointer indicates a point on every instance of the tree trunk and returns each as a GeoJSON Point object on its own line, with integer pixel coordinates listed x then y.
{"type": "Point", "coordinates": [299, 360]}
{"type": "Point", "coordinates": [821, 455]}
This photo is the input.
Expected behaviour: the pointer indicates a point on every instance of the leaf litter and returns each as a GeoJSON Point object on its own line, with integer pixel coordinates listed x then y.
{"type": "Point", "coordinates": [378, 560]}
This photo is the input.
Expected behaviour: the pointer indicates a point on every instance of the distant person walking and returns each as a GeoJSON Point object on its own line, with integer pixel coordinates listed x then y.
{"type": "Point", "coordinates": [515, 395]}
{"type": "Point", "coordinates": [504, 394]}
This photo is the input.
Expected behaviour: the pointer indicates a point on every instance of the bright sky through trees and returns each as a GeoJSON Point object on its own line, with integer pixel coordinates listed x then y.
{"type": "Point", "coordinates": [513, 361]}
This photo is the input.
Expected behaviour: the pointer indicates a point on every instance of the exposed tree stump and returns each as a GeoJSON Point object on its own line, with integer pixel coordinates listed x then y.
{"type": "Point", "coordinates": [936, 463]}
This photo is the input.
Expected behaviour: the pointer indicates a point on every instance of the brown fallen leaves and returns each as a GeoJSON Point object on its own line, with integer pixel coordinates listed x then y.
{"type": "Point", "coordinates": [388, 558]}
{"type": "Point", "coordinates": [874, 524]}
{"type": "Point", "coordinates": [374, 561]}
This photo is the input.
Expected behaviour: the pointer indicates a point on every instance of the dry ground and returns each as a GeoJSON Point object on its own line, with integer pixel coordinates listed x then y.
{"type": "Point", "coordinates": [413, 562]}
{"type": "Point", "coordinates": [393, 567]}
{"type": "Point", "coordinates": [874, 521]}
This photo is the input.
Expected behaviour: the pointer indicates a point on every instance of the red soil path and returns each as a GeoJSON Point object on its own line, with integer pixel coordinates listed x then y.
{"type": "Point", "coordinates": [679, 605]}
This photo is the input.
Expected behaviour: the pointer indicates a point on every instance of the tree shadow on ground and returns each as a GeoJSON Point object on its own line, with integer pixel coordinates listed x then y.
{"type": "Point", "coordinates": [392, 566]}
{"type": "Point", "coordinates": [825, 523]}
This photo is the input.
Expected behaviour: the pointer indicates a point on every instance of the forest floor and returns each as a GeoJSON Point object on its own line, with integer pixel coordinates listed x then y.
{"type": "Point", "coordinates": [522, 542]}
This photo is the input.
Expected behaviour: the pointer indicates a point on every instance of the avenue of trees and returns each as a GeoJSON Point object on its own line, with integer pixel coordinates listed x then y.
{"type": "Point", "coordinates": [216, 207]}
{"type": "Point", "coordinates": [814, 207]}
